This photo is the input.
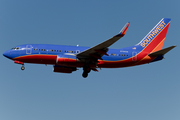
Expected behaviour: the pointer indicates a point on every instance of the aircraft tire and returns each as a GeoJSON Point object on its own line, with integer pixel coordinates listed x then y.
{"type": "Point", "coordinates": [85, 74]}
{"type": "Point", "coordinates": [22, 68]}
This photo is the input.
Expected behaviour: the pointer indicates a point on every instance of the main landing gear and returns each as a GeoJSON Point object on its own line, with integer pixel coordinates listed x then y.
{"type": "Point", "coordinates": [85, 74]}
{"type": "Point", "coordinates": [86, 71]}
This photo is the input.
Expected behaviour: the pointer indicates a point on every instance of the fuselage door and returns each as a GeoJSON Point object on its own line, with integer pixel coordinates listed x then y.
{"type": "Point", "coordinates": [134, 56]}
{"type": "Point", "coordinates": [28, 49]}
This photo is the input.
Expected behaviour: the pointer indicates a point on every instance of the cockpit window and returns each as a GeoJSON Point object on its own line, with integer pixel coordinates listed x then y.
{"type": "Point", "coordinates": [15, 48]}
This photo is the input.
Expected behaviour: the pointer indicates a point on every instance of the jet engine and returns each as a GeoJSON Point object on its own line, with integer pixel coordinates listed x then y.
{"type": "Point", "coordinates": [62, 69]}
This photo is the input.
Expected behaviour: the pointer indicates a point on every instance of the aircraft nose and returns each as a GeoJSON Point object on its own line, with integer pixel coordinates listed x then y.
{"type": "Point", "coordinates": [6, 54]}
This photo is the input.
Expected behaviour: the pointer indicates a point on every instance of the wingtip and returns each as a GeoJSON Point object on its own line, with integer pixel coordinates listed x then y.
{"type": "Point", "coordinates": [123, 31]}
{"type": "Point", "coordinates": [125, 28]}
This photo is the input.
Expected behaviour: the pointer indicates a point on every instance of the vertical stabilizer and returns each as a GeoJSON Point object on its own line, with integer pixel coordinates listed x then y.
{"type": "Point", "coordinates": [154, 40]}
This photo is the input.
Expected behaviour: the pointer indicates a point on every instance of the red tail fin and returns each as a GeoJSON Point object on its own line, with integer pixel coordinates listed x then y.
{"type": "Point", "coordinates": [154, 40]}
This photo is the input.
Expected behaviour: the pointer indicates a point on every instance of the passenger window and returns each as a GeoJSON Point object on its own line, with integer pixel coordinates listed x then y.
{"type": "Point", "coordinates": [44, 49]}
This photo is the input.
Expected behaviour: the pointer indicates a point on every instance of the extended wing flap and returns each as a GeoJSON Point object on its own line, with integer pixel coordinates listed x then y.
{"type": "Point", "coordinates": [104, 45]}
{"type": "Point", "coordinates": [161, 52]}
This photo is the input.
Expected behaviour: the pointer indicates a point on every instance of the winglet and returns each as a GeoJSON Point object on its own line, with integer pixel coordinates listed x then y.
{"type": "Point", "coordinates": [123, 31]}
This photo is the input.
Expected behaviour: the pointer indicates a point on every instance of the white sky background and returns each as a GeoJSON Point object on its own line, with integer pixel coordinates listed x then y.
{"type": "Point", "coordinates": [146, 92]}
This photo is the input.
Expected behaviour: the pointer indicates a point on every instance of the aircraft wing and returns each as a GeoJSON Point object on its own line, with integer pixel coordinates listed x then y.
{"type": "Point", "coordinates": [99, 50]}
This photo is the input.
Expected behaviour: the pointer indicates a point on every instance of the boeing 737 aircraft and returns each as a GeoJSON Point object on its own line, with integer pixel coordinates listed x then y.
{"type": "Point", "coordinates": [66, 59]}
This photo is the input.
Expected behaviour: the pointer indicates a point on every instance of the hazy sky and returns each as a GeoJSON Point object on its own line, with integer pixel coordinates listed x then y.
{"type": "Point", "coordinates": [146, 92]}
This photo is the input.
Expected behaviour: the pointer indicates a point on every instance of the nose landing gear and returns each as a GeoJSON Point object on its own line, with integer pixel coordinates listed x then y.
{"type": "Point", "coordinates": [22, 68]}
{"type": "Point", "coordinates": [19, 62]}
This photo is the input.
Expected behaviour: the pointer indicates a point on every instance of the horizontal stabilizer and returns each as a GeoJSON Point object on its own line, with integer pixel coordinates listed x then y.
{"type": "Point", "coordinates": [161, 52]}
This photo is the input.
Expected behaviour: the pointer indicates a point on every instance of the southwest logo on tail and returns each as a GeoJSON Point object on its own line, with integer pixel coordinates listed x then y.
{"type": "Point", "coordinates": [66, 59]}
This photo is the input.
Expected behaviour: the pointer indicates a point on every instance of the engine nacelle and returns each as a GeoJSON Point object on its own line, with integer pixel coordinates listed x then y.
{"type": "Point", "coordinates": [63, 69]}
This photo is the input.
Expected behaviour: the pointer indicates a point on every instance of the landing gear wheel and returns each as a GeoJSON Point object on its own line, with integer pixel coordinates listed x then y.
{"type": "Point", "coordinates": [85, 74]}
{"type": "Point", "coordinates": [86, 70]}
{"type": "Point", "coordinates": [22, 68]}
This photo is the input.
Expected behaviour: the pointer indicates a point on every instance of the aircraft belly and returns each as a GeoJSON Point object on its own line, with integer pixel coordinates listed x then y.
{"type": "Point", "coordinates": [124, 63]}
{"type": "Point", "coordinates": [39, 59]}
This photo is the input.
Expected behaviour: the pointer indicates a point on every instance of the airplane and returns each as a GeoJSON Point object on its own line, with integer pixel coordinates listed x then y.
{"type": "Point", "coordinates": [66, 59]}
